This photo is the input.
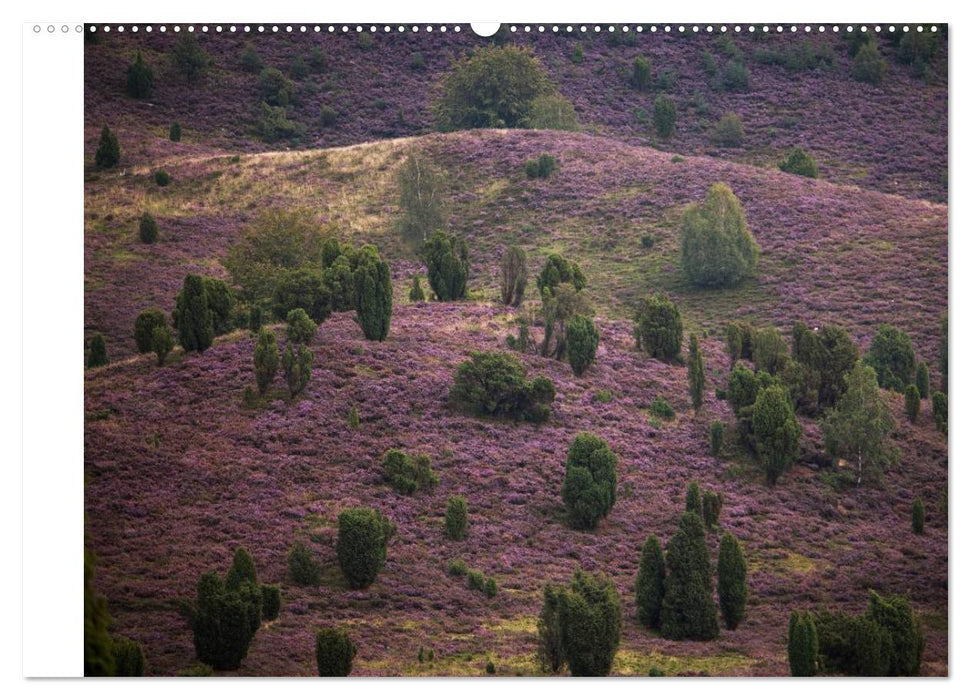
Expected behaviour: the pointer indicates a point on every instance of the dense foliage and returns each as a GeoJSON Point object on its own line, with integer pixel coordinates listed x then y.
{"type": "Point", "coordinates": [658, 328]}
{"type": "Point", "coordinates": [732, 581]}
{"type": "Point", "coordinates": [649, 587]}
{"type": "Point", "coordinates": [688, 609]}
{"type": "Point", "coordinates": [892, 357]}
{"type": "Point", "coordinates": [717, 248]}
{"type": "Point", "coordinates": [362, 542]}
{"type": "Point", "coordinates": [514, 278]}
{"type": "Point", "coordinates": [776, 430]}
{"type": "Point", "coordinates": [582, 340]}
{"type": "Point", "coordinates": [494, 384]}
{"type": "Point", "coordinates": [590, 485]}
{"type": "Point", "coordinates": [447, 259]}
{"type": "Point", "coordinates": [335, 652]}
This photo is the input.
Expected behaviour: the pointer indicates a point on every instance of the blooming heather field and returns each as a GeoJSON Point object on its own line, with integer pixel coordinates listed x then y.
{"type": "Point", "coordinates": [179, 472]}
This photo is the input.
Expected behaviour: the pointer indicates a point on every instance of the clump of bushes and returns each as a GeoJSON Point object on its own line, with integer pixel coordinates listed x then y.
{"type": "Point", "coordinates": [272, 124]}
{"type": "Point", "coordinates": [552, 111]}
{"type": "Point", "coordinates": [798, 162]}
{"type": "Point", "coordinates": [447, 259]}
{"type": "Point", "coordinates": [275, 89]}
{"type": "Point", "coordinates": [590, 485]}
{"type": "Point", "coordinates": [939, 409]}
{"type": "Point", "coordinates": [249, 59]}
{"type": "Point", "coordinates": [456, 518]}
{"type": "Point", "coordinates": [642, 74]}
{"type": "Point", "coordinates": [542, 167]}
{"type": "Point", "coordinates": [658, 328]}
{"type": "Point", "coordinates": [266, 360]}
{"type": "Point", "coordinates": [740, 340]}
{"type": "Point", "coordinates": [162, 178]}
{"type": "Point", "coordinates": [335, 653]}
{"type": "Point", "coordinates": [660, 408]}
{"type": "Point", "coordinates": [300, 327]}
{"type": "Point", "coordinates": [735, 76]}
{"type": "Point", "coordinates": [189, 59]}
{"type": "Point", "coordinates": [729, 131]}
{"type": "Point", "coordinates": [478, 581]}
{"type": "Point", "coordinates": [494, 384]}
{"type": "Point", "coordinates": [408, 473]}
{"type": "Point", "coordinates": [717, 248]}
{"type": "Point", "coordinates": [97, 352]}
{"type": "Point", "coordinates": [868, 65]}
{"type": "Point", "coordinates": [297, 366]}
{"type": "Point", "coordinates": [892, 357]}
{"type": "Point", "coordinates": [328, 116]}
{"type": "Point", "coordinates": [303, 566]}
{"type": "Point", "coordinates": [362, 544]}
{"type": "Point", "coordinates": [580, 625]}
{"type": "Point", "coordinates": [175, 132]}
{"type": "Point", "coordinates": [457, 567]}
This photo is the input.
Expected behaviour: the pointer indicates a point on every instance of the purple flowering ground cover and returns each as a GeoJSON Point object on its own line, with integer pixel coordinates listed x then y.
{"type": "Point", "coordinates": [179, 472]}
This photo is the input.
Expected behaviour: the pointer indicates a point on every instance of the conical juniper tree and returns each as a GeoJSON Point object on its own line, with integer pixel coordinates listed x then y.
{"type": "Point", "coordinates": [447, 259]}
{"type": "Point", "coordinates": [732, 581]}
{"type": "Point", "coordinates": [688, 609]}
{"type": "Point", "coordinates": [373, 294]}
{"type": "Point", "coordinates": [589, 624]}
{"type": "Point", "coordinates": [776, 431]}
{"type": "Point", "coordinates": [803, 644]}
{"type": "Point", "coordinates": [649, 588]}
{"type": "Point", "coordinates": [192, 316]}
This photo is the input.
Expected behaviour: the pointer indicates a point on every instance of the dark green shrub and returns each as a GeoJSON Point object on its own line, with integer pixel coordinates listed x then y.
{"type": "Point", "coordinates": [457, 567]}
{"type": "Point", "coordinates": [98, 657]}
{"type": "Point", "coordinates": [303, 566]}
{"type": "Point", "coordinates": [421, 203]}
{"type": "Point", "coordinates": [190, 59]}
{"type": "Point", "coordinates": [303, 289]}
{"type": "Point", "coordinates": [373, 294]}
{"type": "Point", "coordinates": [328, 116]}
{"type": "Point", "coordinates": [558, 270]}
{"type": "Point", "coordinates": [560, 304]}
{"type": "Point", "coordinates": [711, 508]}
{"type": "Point", "coordinates": [740, 340]}
{"type": "Point", "coordinates": [851, 645]}
{"type": "Point", "coordinates": [162, 178]}
{"type": "Point", "coordinates": [272, 124]}
{"type": "Point", "coordinates": [223, 622]}
{"type": "Point", "coordinates": [647, 240]}
{"type": "Point", "coordinates": [493, 87]}
{"type": "Point", "coordinates": [417, 61]}
{"type": "Point", "coordinates": [242, 570]}
{"type": "Point", "coordinates": [145, 325]}
{"type": "Point", "coordinates": [490, 588]}
{"type": "Point", "coordinates": [456, 518]}
{"type": "Point", "coordinates": [717, 248]}
{"type": "Point", "coordinates": [175, 132]}
{"type": "Point", "coordinates": [923, 380]}
{"type": "Point", "coordinates": [296, 368]}
{"type": "Point", "coordinates": [270, 595]}
{"type": "Point", "coordinates": [743, 388]}
{"type": "Point", "coordinates": [275, 89]}
{"type": "Point", "coordinates": [735, 77]}
{"type": "Point", "coordinates": [894, 614]}
{"type": "Point", "coordinates": [576, 55]}
{"type": "Point", "coordinates": [129, 657]}
{"type": "Point", "coordinates": [415, 292]}
{"type": "Point", "coordinates": [692, 500]}
{"type": "Point", "coordinates": [447, 259]}
{"type": "Point", "coordinates": [476, 580]}
{"type": "Point", "coordinates": [642, 74]}
{"type": "Point", "coordinates": [661, 408]}
{"type": "Point", "coordinates": [868, 66]}
{"type": "Point", "coordinates": [548, 628]}
{"type": "Point", "coordinates": [249, 59]}
{"type": "Point", "coordinates": [139, 80]}
{"type": "Point", "coordinates": [828, 355]}
{"type": "Point", "coordinates": [912, 402]}
{"type": "Point", "coordinates": [696, 372]}
{"type": "Point", "coordinates": [353, 419]}
{"type": "Point", "coordinates": [939, 408]}
{"type": "Point", "coordinates": [335, 653]}
{"type": "Point", "coordinates": [665, 116]}
{"type": "Point", "coordinates": [688, 609]}
{"type": "Point", "coordinates": [300, 328]}
{"type": "Point", "coordinates": [318, 60]}
{"type": "Point", "coordinates": [798, 162]}
{"type": "Point", "coordinates": [298, 68]}
{"type": "Point", "coordinates": [266, 360]}
{"type": "Point", "coordinates": [408, 473]}
{"type": "Point", "coordinates": [776, 431]}
{"type": "Point", "coordinates": [716, 432]}
{"type": "Point", "coordinates": [590, 485]}
{"type": "Point", "coordinates": [97, 351]}
{"type": "Point", "coordinates": [658, 328]}
{"type": "Point", "coordinates": [108, 153]}
{"type": "Point", "coordinates": [588, 620]}
{"type": "Point", "coordinates": [221, 302]}
{"type": "Point", "coordinates": [729, 131]}
{"type": "Point", "coordinates": [494, 384]}
{"type": "Point", "coordinates": [732, 581]}
{"type": "Point", "coordinates": [770, 351]}
{"type": "Point", "coordinates": [803, 645]}
{"type": "Point", "coordinates": [362, 540]}
{"type": "Point", "coordinates": [514, 277]}
{"type": "Point", "coordinates": [162, 343]}
{"type": "Point", "coordinates": [649, 588]}
{"type": "Point", "coordinates": [582, 340]}
{"type": "Point", "coordinates": [917, 516]}
{"type": "Point", "coordinates": [892, 357]}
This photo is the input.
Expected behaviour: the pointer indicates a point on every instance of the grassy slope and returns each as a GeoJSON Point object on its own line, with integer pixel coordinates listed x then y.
{"type": "Point", "coordinates": [179, 473]}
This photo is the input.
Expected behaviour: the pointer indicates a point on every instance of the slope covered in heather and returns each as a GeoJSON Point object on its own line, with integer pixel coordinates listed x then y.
{"type": "Point", "coordinates": [890, 137]}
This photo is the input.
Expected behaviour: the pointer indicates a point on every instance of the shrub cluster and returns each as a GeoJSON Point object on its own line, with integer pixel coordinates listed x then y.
{"type": "Point", "coordinates": [798, 162]}
{"type": "Point", "coordinates": [456, 518]}
{"type": "Point", "coordinates": [408, 473]}
{"type": "Point", "coordinates": [658, 328]}
{"type": "Point", "coordinates": [688, 608]}
{"type": "Point", "coordinates": [303, 566]}
{"type": "Point", "coordinates": [494, 384]}
{"type": "Point", "coordinates": [297, 365]}
{"type": "Point", "coordinates": [776, 431]}
{"type": "Point", "coordinates": [892, 357]}
{"type": "Point", "coordinates": [590, 485]}
{"type": "Point", "coordinates": [362, 544]}
{"type": "Point", "coordinates": [447, 259]}
{"type": "Point", "coordinates": [145, 325]}
{"type": "Point", "coordinates": [729, 131]}
{"type": "Point", "coordinates": [542, 167]}
{"type": "Point", "coordinates": [335, 653]}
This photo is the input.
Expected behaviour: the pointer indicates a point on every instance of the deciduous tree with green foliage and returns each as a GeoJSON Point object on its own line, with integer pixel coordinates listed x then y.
{"type": "Point", "coordinates": [421, 199]}
{"type": "Point", "coordinates": [717, 248]}
{"type": "Point", "coordinates": [857, 429]}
